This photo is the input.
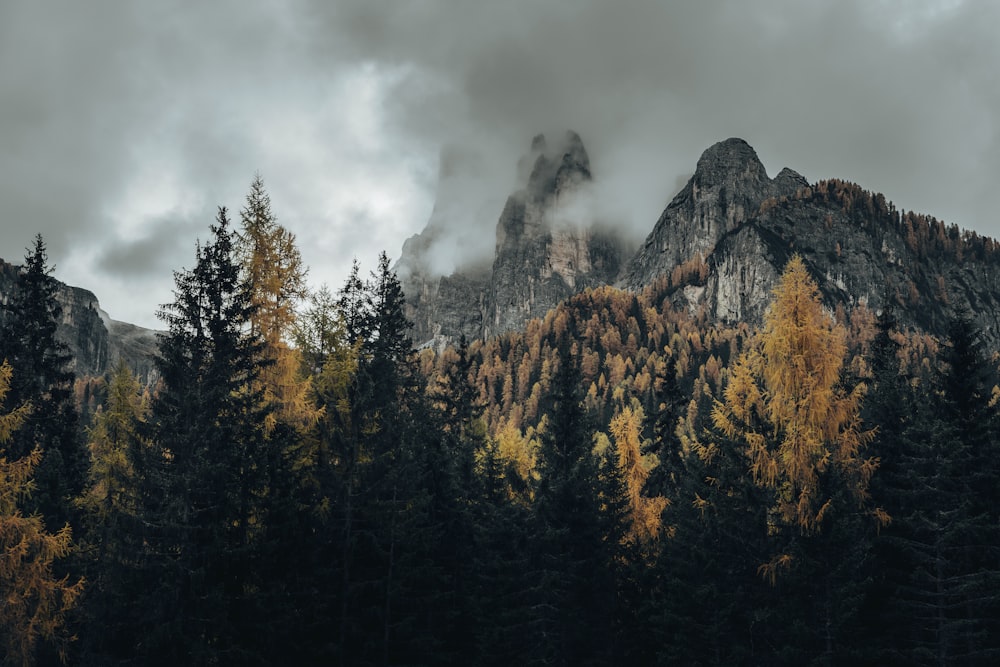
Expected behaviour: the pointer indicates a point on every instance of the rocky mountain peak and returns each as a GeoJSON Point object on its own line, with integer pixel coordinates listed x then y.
{"type": "Point", "coordinates": [556, 169]}
{"type": "Point", "coordinates": [538, 143]}
{"type": "Point", "coordinates": [788, 181]}
{"type": "Point", "coordinates": [728, 162]}
{"type": "Point", "coordinates": [547, 249]}
{"type": "Point", "coordinates": [726, 190]}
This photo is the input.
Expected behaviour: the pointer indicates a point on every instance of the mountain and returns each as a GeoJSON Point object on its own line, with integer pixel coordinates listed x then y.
{"type": "Point", "coordinates": [718, 247]}
{"type": "Point", "coordinates": [547, 249]}
{"type": "Point", "coordinates": [95, 340]}
{"type": "Point", "coordinates": [727, 188]}
{"type": "Point", "coordinates": [726, 237]}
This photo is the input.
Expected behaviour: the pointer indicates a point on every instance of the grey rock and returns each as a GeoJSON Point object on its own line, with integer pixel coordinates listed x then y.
{"type": "Point", "coordinates": [544, 254]}
{"type": "Point", "coordinates": [726, 190]}
{"type": "Point", "coordinates": [95, 341]}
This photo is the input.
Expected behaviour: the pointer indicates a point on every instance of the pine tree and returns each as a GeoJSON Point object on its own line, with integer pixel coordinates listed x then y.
{"type": "Point", "coordinates": [958, 537]}
{"type": "Point", "coordinates": [783, 400]}
{"type": "Point", "coordinates": [644, 511]}
{"type": "Point", "coordinates": [35, 600]}
{"type": "Point", "coordinates": [275, 277]}
{"type": "Point", "coordinates": [706, 603]}
{"type": "Point", "coordinates": [41, 376]}
{"type": "Point", "coordinates": [573, 557]}
{"type": "Point", "coordinates": [212, 471]}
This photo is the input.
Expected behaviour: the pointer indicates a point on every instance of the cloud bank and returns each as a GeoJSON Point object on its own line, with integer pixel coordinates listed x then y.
{"type": "Point", "coordinates": [126, 124]}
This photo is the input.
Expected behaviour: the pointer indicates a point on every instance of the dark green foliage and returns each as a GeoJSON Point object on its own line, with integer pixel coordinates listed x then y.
{"type": "Point", "coordinates": [393, 530]}
{"type": "Point", "coordinates": [204, 485]}
{"type": "Point", "coordinates": [577, 544]}
{"type": "Point", "coordinates": [708, 604]}
{"type": "Point", "coordinates": [42, 378]}
{"type": "Point", "coordinates": [937, 563]}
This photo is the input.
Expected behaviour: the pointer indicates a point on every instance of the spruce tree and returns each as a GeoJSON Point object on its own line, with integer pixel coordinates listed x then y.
{"type": "Point", "coordinates": [211, 474]}
{"type": "Point", "coordinates": [42, 377]}
{"type": "Point", "coordinates": [112, 514]}
{"type": "Point", "coordinates": [574, 560]}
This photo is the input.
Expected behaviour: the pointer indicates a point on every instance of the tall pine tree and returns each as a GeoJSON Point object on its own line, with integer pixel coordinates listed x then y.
{"type": "Point", "coordinates": [804, 443]}
{"type": "Point", "coordinates": [42, 377]}
{"type": "Point", "coordinates": [206, 494]}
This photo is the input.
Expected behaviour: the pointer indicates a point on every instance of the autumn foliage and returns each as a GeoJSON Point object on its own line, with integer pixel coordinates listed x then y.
{"type": "Point", "coordinates": [785, 401]}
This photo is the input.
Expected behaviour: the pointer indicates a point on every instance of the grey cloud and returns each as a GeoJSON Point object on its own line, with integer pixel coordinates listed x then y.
{"type": "Point", "coordinates": [156, 252]}
{"type": "Point", "coordinates": [900, 96]}
{"type": "Point", "coordinates": [894, 95]}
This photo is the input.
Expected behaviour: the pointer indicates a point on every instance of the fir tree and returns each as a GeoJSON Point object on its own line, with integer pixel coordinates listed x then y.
{"type": "Point", "coordinates": [41, 376]}
{"type": "Point", "coordinates": [212, 474]}
{"type": "Point", "coordinates": [112, 513]}
{"type": "Point", "coordinates": [574, 560]}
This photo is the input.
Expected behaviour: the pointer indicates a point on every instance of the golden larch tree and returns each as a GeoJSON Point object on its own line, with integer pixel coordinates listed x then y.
{"type": "Point", "coordinates": [643, 511]}
{"type": "Point", "coordinates": [112, 436]}
{"type": "Point", "coordinates": [785, 403]}
{"type": "Point", "coordinates": [276, 276]}
{"type": "Point", "coordinates": [33, 601]}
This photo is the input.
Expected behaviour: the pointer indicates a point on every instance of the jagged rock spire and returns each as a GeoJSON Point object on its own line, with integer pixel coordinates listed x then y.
{"type": "Point", "coordinates": [727, 189]}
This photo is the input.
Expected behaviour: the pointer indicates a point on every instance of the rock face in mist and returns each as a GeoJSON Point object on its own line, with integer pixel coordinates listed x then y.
{"type": "Point", "coordinates": [95, 341]}
{"type": "Point", "coordinates": [718, 248]}
{"type": "Point", "coordinates": [727, 189]}
{"type": "Point", "coordinates": [859, 256]}
{"type": "Point", "coordinates": [547, 249]}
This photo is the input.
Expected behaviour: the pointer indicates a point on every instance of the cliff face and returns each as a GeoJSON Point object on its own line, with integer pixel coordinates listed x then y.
{"type": "Point", "coordinates": [95, 341]}
{"type": "Point", "coordinates": [718, 247]}
{"type": "Point", "coordinates": [726, 190]}
{"type": "Point", "coordinates": [546, 250]}
{"type": "Point", "coordinates": [857, 249]}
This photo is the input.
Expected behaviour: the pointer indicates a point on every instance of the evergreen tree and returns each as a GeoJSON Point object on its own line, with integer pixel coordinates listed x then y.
{"type": "Point", "coordinates": [211, 476]}
{"type": "Point", "coordinates": [504, 586]}
{"type": "Point", "coordinates": [574, 615]}
{"type": "Point", "coordinates": [41, 376]}
{"type": "Point", "coordinates": [706, 603]}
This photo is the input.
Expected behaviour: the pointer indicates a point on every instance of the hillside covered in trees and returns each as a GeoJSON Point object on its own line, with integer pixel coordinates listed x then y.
{"type": "Point", "coordinates": [624, 481]}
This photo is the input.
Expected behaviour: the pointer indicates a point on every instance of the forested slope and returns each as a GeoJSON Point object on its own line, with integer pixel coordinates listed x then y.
{"type": "Point", "coordinates": [623, 482]}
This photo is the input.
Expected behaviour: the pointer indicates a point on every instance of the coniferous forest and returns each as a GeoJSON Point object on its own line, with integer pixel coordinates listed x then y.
{"type": "Point", "coordinates": [619, 483]}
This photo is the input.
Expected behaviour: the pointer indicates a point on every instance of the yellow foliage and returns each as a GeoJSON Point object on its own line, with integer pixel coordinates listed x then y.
{"type": "Point", "coordinates": [769, 570]}
{"type": "Point", "coordinates": [784, 403]}
{"type": "Point", "coordinates": [644, 512]}
{"type": "Point", "coordinates": [519, 454]}
{"type": "Point", "coordinates": [33, 601]}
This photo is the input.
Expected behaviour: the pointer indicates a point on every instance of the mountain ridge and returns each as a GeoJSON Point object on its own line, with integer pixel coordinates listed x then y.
{"type": "Point", "coordinates": [720, 244]}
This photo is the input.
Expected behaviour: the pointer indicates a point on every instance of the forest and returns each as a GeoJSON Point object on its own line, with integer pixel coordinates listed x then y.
{"type": "Point", "coordinates": [620, 483]}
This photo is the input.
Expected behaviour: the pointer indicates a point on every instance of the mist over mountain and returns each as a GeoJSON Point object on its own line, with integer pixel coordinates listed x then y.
{"type": "Point", "coordinates": [719, 246]}
{"type": "Point", "coordinates": [548, 244]}
{"type": "Point", "coordinates": [483, 265]}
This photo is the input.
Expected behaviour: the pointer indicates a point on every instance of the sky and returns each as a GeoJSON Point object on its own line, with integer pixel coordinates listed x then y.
{"type": "Point", "coordinates": [124, 125]}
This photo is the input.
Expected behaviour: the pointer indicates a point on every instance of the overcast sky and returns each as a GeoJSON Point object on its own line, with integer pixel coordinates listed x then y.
{"type": "Point", "coordinates": [124, 124]}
